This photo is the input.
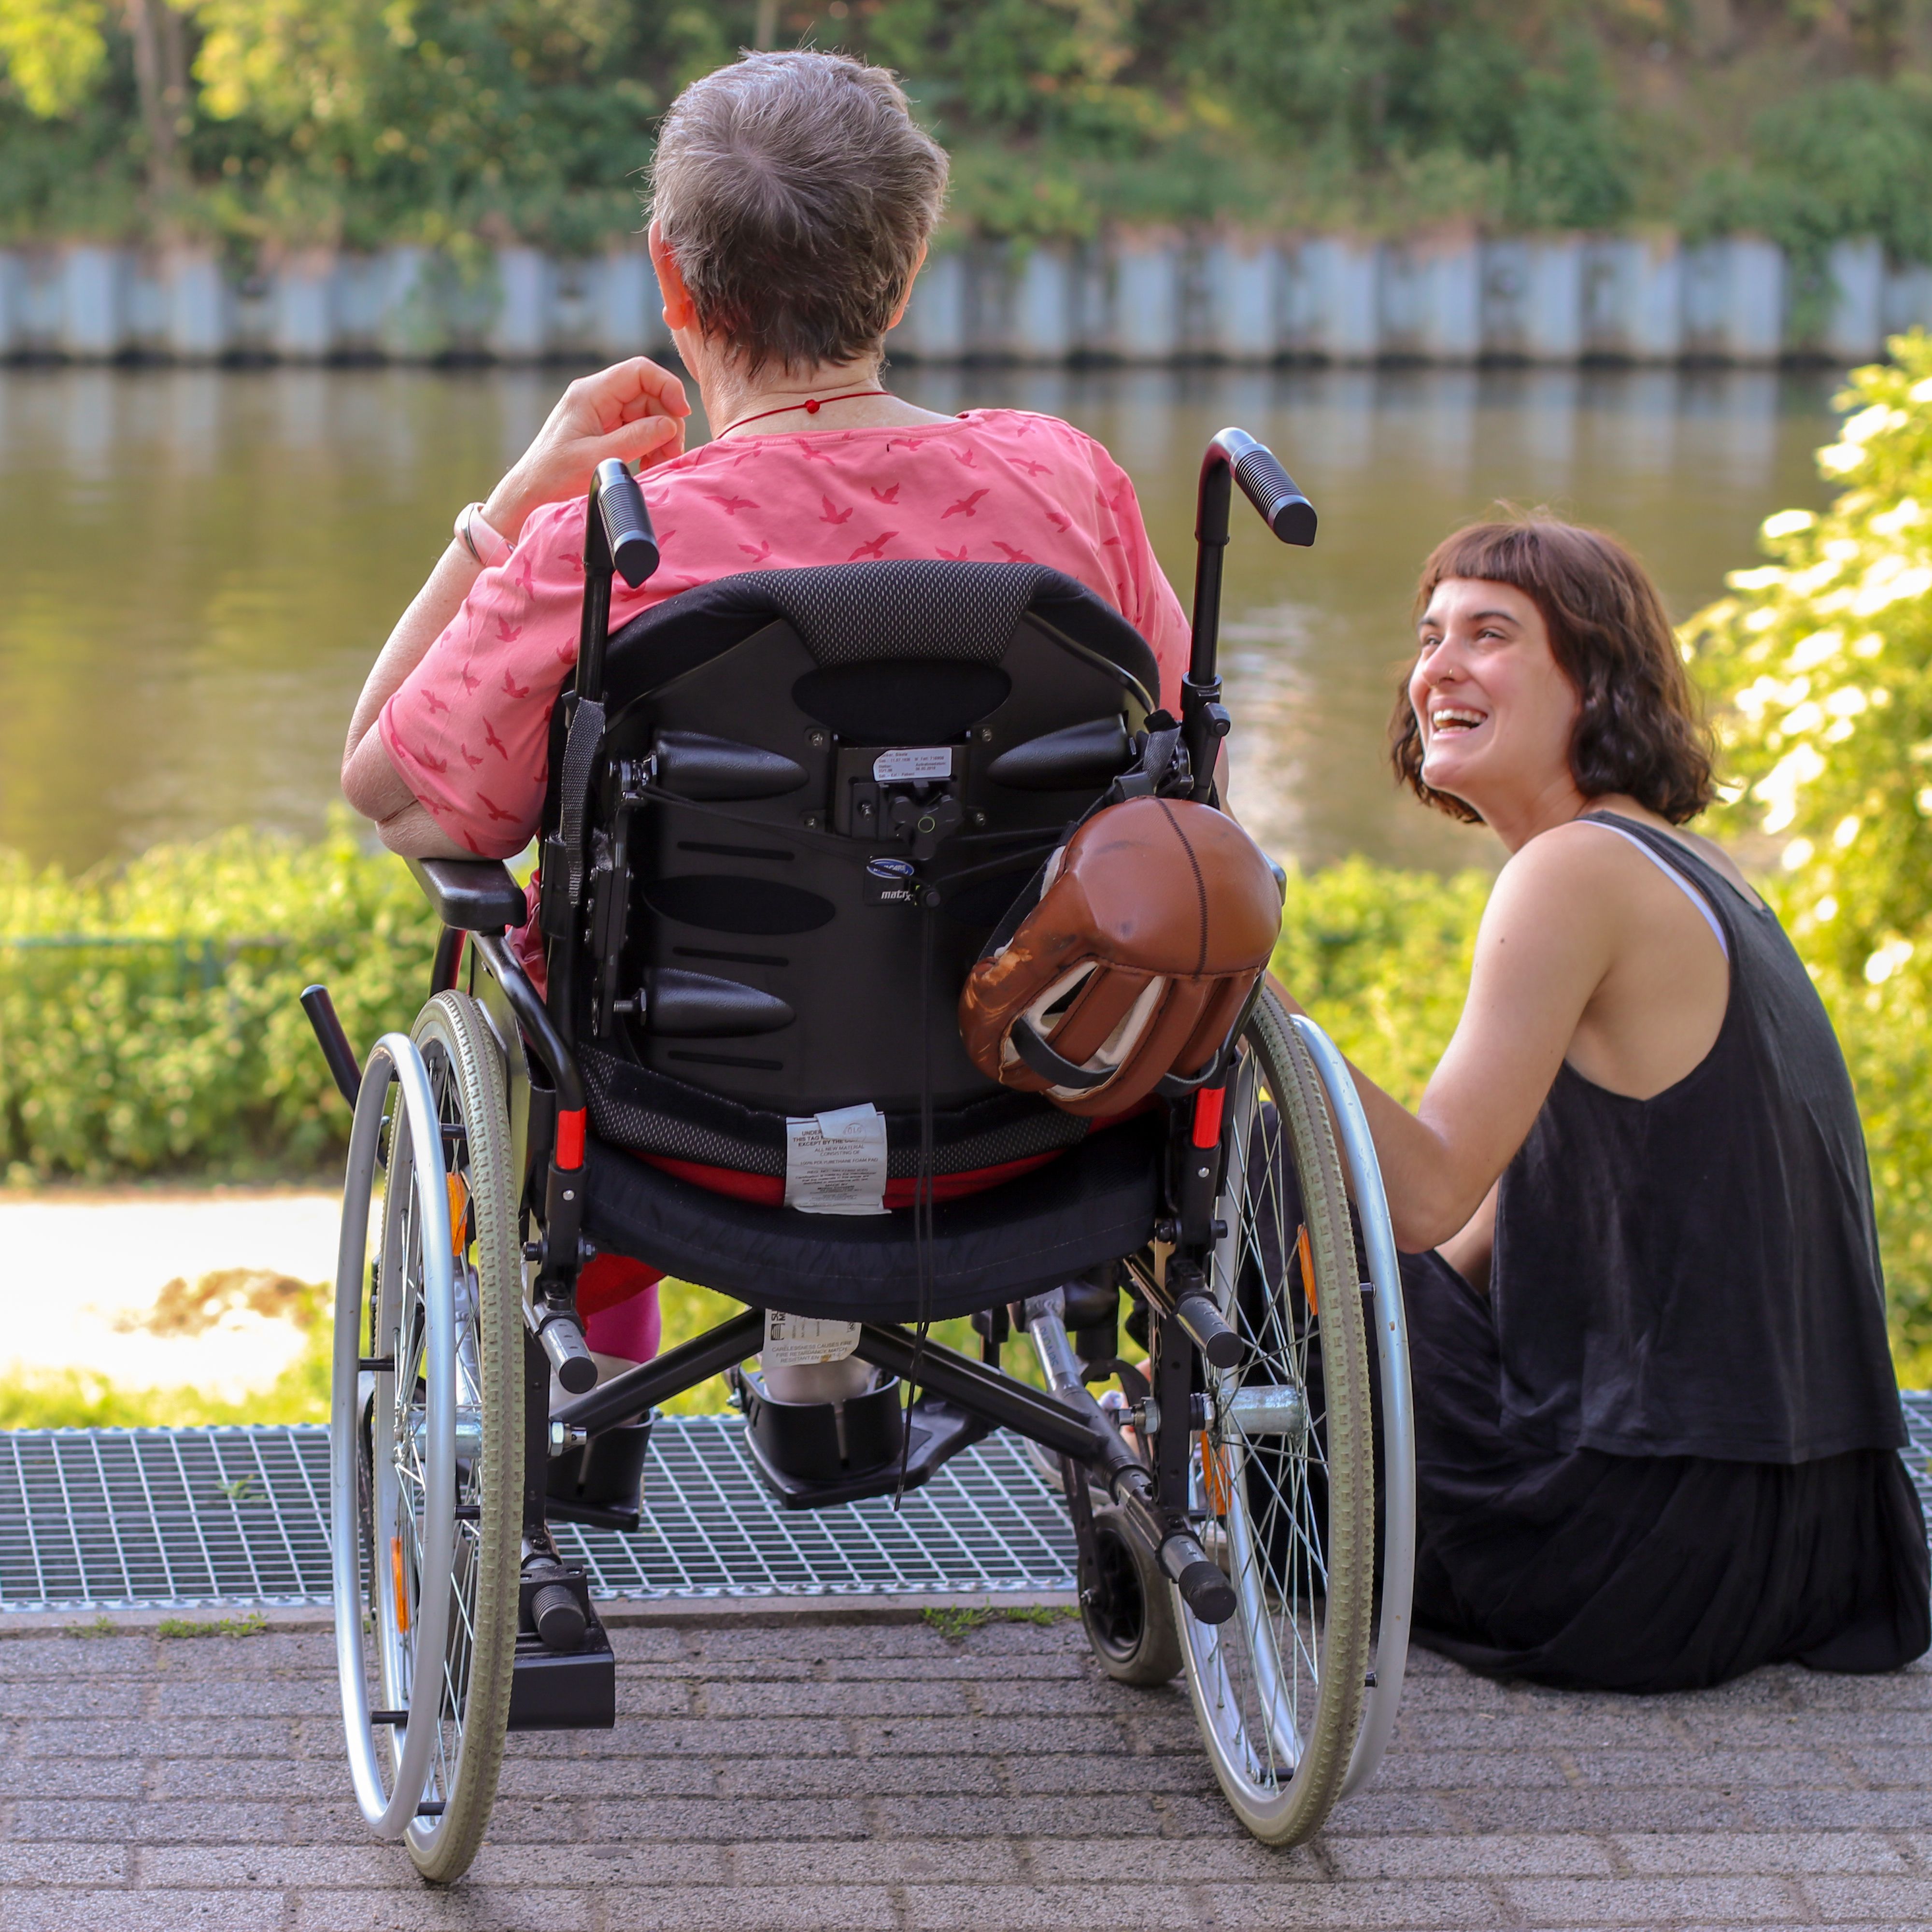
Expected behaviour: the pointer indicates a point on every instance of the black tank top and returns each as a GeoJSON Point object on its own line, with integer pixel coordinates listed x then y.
{"type": "Point", "coordinates": [1697, 1274]}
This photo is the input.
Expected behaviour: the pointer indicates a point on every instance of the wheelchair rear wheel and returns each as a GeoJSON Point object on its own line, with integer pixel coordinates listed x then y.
{"type": "Point", "coordinates": [1284, 1472]}
{"type": "Point", "coordinates": [435, 1425]}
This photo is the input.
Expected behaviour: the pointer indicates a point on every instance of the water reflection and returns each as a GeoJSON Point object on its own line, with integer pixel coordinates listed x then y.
{"type": "Point", "coordinates": [201, 564]}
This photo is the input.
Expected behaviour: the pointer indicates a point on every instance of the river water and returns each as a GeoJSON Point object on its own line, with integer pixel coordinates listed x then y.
{"type": "Point", "coordinates": [199, 566]}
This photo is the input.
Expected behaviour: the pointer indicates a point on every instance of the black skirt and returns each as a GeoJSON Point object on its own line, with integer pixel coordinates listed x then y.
{"type": "Point", "coordinates": [1592, 1571]}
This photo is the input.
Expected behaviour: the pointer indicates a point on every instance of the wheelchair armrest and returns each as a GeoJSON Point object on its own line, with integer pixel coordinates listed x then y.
{"type": "Point", "coordinates": [471, 895]}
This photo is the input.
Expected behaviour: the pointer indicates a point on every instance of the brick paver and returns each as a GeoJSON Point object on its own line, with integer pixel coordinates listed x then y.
{"type": "Point", "coordinates": [802, 1775]}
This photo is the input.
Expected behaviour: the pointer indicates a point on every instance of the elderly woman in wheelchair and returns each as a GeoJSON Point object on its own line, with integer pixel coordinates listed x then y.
{"type": "Point", "coordinates": [890, 959]}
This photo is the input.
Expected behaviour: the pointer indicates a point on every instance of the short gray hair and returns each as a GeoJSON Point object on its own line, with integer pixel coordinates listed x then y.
{"type": "Point", "coordinates": [795, 191]}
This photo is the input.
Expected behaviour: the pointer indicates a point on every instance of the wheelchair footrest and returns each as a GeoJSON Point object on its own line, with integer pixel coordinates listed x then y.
{"type": "Point", "coordinates": [572, 1691]}
{"type": "Point", "coordinates": [600, 1483]}
{"type": "Point", "coordinates": [940, 1431]}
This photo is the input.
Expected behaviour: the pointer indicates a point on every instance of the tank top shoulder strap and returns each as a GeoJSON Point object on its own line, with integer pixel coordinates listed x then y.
{"type": "Point", "coordinates": [1697, 894]}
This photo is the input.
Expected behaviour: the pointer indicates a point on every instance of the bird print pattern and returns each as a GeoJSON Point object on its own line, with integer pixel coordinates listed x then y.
{"type": "Point", "coordinates": [469, 730]}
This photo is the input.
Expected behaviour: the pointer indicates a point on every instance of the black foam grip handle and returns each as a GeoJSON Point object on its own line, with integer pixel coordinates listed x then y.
{"type": "Point", "coordinates": [1216, 1340]}
{"type": "Point", "coordinates": [1272, 490]}
{"type": "Point", "coordinates": [627, 524]}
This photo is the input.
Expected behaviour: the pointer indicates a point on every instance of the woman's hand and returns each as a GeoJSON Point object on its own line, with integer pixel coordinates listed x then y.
{"type": "Point", "coordinates": [633, 410]}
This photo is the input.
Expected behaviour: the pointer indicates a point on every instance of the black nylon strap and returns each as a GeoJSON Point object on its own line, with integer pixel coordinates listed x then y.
{"type": "Point", "coordinates": [1049, 1065]}
{"type": "Point", "coordinates": [580, 757]}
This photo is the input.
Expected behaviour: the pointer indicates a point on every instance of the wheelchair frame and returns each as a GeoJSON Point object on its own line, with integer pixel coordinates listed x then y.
{"type": "Point", "coordinates": [961, 1399]}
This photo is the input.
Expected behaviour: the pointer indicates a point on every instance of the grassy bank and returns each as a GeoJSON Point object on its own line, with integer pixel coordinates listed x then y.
{"type": "Point", "coordinates": [150, 1027]}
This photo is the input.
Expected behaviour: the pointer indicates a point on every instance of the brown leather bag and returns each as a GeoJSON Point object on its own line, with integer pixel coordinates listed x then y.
{"type": "Point", "coordinates": [1158, 917]}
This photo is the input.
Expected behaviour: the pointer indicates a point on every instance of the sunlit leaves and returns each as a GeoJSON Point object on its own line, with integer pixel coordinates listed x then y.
{"type": "Point", "coordinates": [1822, 661]}
{"type": "Point", "coordinates": [53, 51]}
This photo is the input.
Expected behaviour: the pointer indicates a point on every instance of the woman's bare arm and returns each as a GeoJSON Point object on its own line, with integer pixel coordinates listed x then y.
{"type": "Point", "coordinates": [633, 410]}
{"type": "Point", "coordinates": [1548, 938]}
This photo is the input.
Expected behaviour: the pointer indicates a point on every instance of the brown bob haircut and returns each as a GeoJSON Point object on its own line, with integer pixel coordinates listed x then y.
{"type": "Point", "coordinates": [796, 192]}
{"type": "Point", "coordinates": [1639, 731]}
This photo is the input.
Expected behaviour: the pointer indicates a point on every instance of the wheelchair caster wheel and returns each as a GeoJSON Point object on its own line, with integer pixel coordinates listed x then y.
{"type": "Point", "coordinates": [1126, 1609]}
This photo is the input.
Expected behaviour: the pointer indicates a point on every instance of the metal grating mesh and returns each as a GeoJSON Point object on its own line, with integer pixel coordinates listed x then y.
{"type": "Point", "coordinates": [146, 1519]}
{"type": "Point", "coordinates": [1919, 1457]}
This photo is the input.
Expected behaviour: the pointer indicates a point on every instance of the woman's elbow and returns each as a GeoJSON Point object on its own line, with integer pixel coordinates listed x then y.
{"type": "Point", "coordinates": [1426, 1218]}
{"type": "Point", "coordinates": [370, 782]}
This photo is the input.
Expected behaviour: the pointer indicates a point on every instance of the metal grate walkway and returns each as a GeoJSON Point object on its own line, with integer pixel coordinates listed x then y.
{"type": "Point", "coordinates": [147, 1519]}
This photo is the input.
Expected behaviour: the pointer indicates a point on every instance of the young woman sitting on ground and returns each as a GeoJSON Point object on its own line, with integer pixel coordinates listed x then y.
{"type": "Point", "coordinates": [793, 199]}
{"type": "Point", "coordinates": [1657, 1422]}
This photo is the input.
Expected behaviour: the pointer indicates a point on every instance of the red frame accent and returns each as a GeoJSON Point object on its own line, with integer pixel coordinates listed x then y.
{"type": "Point", "coordinates": [570, 1140]}
{"type": "Point", "coordinates": [1208, 1104]}
{"type": "Point", "coordinates": [767, 1190]}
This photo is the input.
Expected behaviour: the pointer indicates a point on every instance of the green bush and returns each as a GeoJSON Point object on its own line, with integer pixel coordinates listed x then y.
{"type": "Point", "coordinates": [148, 1018]}
{"type": "Point", "coordinates": [1823, 660]}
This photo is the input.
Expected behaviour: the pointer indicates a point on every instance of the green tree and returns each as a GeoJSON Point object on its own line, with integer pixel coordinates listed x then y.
{"type": "Point", "coordinates": [1822, 660]}
{"type": "Point", "coordinates": [1371, 87]}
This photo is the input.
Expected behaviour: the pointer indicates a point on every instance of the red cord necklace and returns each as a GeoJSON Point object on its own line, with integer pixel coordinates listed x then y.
{"type": "Point", "coordinates": [811, 405]}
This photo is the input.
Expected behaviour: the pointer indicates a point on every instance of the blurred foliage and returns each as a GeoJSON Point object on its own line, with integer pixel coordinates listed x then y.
{"type": "Point", "coordinates": [1851, 158]}
{"type": "Point", "coordinates": [1822, 658]}
{"type": "Point", "coordinates": [149, 1020]}
{"type": "Point", "coordinates": [464, 123]}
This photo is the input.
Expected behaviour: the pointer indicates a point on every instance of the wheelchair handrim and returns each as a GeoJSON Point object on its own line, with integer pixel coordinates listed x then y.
{"type": "Point", "coordinates": [390, 1807]}
{"type": "Point", "coordinates": [1260, 1683]}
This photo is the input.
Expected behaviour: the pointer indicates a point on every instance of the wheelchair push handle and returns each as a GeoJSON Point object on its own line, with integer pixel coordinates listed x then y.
{"type": "Point", "coordinates": [617, 536]}
{"type": "Point", "coordinates": [627, 535]}
{"type": "Point", "coordinates": [1232, 457]}
{"type": "Point", "coordinates": [1269, 488]}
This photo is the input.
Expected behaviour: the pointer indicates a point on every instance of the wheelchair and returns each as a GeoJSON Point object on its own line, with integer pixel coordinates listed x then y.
{"type": "Point", "coordinates": [785, 812]}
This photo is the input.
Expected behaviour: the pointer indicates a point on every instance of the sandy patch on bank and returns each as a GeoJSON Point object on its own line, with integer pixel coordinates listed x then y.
{"type": "Point", "coordinates": [115, 1285]}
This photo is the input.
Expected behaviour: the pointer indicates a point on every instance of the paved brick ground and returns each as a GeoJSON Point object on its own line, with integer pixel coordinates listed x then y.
{"type": "Point", "coordinates": [847, 1775]}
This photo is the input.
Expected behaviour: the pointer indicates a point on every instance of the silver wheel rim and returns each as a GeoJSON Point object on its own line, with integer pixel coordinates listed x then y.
{"type": "Point", "coordinates": [415, 1445]}
{"type": "Point", "coordinates": [1395, 1451]}
{"type": "Point", "coordinates": [1256, 1681]}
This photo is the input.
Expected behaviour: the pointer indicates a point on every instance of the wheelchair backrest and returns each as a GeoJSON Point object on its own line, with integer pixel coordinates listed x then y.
{"type": "Point", "coordinates": [823, 788]}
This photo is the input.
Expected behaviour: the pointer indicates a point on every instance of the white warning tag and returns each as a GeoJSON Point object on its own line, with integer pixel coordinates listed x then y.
{"type": "Point", "coordinates": [794, 1341]}
{"type": "Point", "coordinates": [835, 1162]}
{"type": "Point", "coordinates": [918, 764]}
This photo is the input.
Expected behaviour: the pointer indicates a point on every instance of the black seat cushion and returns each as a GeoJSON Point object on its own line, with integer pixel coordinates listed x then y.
{"type": "Point", "coordinates": [1092, 1205]}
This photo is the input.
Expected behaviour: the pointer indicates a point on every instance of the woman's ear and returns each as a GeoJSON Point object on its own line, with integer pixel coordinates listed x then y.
{"type": "Point", "coordinates": [899, 313]}
{"type": "Point", "coordinates": [679, 313]}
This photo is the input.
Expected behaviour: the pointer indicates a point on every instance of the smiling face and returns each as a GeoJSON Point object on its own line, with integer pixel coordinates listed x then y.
{"type": "Point", "coordinates": [1495, 711]}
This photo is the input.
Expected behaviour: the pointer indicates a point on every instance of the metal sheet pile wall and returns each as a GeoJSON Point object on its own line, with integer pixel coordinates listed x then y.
{"type": "Point", "coordinates": [1153, 296]}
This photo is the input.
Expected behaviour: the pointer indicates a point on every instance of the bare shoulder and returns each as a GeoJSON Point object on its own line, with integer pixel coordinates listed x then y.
{"type": "Point", "coordinates": [1561, 884]}
{"type": "Point", "coordinates": [1567, 862]}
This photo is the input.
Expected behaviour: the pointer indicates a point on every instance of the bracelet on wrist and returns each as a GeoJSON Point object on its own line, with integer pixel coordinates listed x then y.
{"type": "Point", "coordinates": [487, 545]}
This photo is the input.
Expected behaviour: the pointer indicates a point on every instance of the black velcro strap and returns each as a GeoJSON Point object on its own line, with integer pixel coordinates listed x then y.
{"type": "Point", "coordinates": [1049, 1065]}
{"type": "Point", "coordinates": [580, 757]}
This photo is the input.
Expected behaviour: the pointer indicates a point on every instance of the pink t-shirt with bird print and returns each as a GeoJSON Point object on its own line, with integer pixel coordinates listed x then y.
{"type": "Point", "coordinates": [469, 729]}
